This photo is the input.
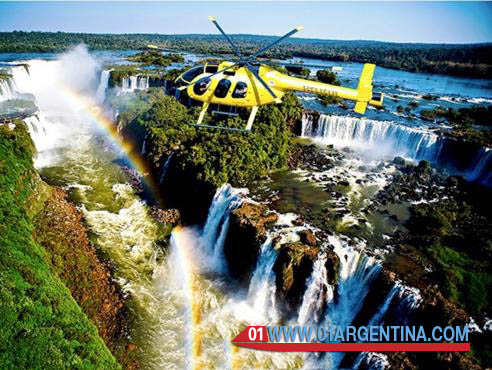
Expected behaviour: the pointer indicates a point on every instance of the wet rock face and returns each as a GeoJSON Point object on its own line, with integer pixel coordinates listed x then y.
{"type": "Point", "coordinates": [292, 269]}
{"type": "Point", "coordinates": [308, 157]}
{"type": "Point", "coordinates": [308, 238]}
{"type": "Point", "coordinates": [332, 267]}
{"type": "Point", "coordinates": [294, 266]}
{"type": "Point", "coordinates": [247, 232]}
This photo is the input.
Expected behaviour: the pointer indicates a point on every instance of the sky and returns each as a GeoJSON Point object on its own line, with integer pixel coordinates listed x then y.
{"type": "Point", "coordinates": [435, 22]}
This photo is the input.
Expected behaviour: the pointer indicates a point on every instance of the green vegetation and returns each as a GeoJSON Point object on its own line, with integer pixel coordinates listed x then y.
{"type": "Point", "coordinates": [464, 281]}
{"type": "Point", "coordinates": [428, 114]}
{"type": "Point", "coordinates": [458, 238]}
{"type": "Point", "coordinates": [464, 60]}
{"type": "Point", "coordinates": [298, 70]}
{"type": "Point", "coordinates": [119, 72]}
{"type": "Point", "coordinates": [42, 325]}
{"type": "Point", "coordinates": [214, 156]}
{"type": "Point", "coordinates": [328, 77]}
{"type": "Point", "coordinates": [475, 115]}
{"type": "Point", "coordinates": [156, 58]}
{"type": "Point", "coordinates": [472, 124]}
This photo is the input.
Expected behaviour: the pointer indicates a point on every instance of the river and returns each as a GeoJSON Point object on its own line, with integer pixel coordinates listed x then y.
{"type": "Point", "coordinates": [184, 306]}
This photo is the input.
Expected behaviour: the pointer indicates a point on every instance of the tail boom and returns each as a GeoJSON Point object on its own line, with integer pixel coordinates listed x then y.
{"type": "Point", "coordinates": [363, 95]}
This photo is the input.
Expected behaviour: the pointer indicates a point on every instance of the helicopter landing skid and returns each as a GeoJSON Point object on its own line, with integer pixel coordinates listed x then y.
{"type": "Point", "coordinates": [249, 124]}
{"type": "Point", "coordinates": [220, 127]}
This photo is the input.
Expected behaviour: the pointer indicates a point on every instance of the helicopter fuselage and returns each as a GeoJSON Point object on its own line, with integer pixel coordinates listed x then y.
{"type": "Point", "coordinates": [239, 87]}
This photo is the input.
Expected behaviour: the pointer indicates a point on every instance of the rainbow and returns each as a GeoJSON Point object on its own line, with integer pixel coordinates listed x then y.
{"type": "Point", "coordinates": [183, 242]}
{"type": "Point", "coordinates": [99, 117]}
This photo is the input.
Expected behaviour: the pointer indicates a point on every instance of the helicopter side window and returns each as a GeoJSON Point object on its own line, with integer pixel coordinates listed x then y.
{"type": "Point", "coordinates": [211, 68]}
{"type": "Point", "coordinates": [240, 90]}
{"type": "Point", "coordinates": [222, 88]}
{"type": "Point", "coordinates": [189, 75]}
{"type": "Point", "coordinates": [201, 86]}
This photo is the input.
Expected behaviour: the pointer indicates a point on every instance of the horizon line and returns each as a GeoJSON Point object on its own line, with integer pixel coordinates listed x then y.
{"type": "Point", "coordinates": [252, 34]}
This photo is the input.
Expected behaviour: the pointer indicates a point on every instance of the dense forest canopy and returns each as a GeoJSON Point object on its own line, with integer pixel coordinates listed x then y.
{"type": "Point", "coordinates": [474, 60]}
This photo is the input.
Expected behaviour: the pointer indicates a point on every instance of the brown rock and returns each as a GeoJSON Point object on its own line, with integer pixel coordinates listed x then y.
{"type": "Point", "coordinates": [308, 238]}
{"type": "Point", "coordinates": [332, 265]}
{"type": "Point", "coordinates": [256, 215]}
{"type": "Point", "coordinates": [247, 232]}
{"type": "Point", "coordinates": [292, 268]}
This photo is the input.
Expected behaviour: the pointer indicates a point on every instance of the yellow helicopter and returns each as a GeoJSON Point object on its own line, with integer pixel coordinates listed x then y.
{"type": "Point", "coordinates": [247, 83]}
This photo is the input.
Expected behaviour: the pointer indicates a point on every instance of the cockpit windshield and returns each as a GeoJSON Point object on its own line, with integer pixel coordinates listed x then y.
{"type": "Point", "coordinates": [189, 75]}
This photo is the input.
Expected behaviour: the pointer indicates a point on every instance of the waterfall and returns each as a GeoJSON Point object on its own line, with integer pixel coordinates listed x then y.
{"type": "Point", "coordinates": [132, 83]}
{"type": "Point", "coordinates": [7, 89]}
{"type": "Point", "coordinates": [356, 273]}
{"type": "Point", "coordinates": [261, 291]}
{"type": "Point", "coordinates": [103, 85]}
{"type": "Point", "coordinates": [215, 229]}
{"type": "Point", "coordinates": [388, 138]}
{"type": "Point", "coordinates": [307, 125]}
{"type": "Point", "coordinates": [385, 138]}
{"type": "Point", "coordinates": [60, 90]}
{"type": "Point", "coordinates": [164, 167]}
{"type": "Point", "coordinates": [407, 300]}
{"type": "Point", "coordinates": [318, 293]}
{"type": "Point", "coordinates": [372, 360]}
{"type": "Point", "coordinates": [482, 171]}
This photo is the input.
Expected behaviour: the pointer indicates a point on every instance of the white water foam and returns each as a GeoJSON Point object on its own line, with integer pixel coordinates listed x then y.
{"type": "Point", "coordinates": [379, 138]}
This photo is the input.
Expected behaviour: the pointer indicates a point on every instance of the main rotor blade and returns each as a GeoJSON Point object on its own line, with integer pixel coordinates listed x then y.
{"type": "Point", "coordinates": [252, 70]}
{"type": "Point", "coordinates": [236, 50]}
{"type": "Point", "coordinates": [286, 64]}
{"type": "Point", "coordinates": [213, 74]}
{"type": "Point", "coordinates": [262, 50]}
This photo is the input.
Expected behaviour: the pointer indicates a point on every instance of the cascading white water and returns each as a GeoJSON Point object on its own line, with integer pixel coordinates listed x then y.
{"type": "Point", "coordinates": [356, 272]}
{"type": "Point", "coordinates": [103, 86]}
{"type": "Point", "coordinates": [318, 293]}
{"type": "Point", "coordinates": [132, 83]}
{"type": "Point", "coordinates": [482, 171]}
{"type": "Point", "coordinates": [61, 117]}
{"type": "Point", "coordinates": [373, 361]}
{"type": "Point", "coordinates": [307, 125]}
{"type": "Point", "coordinates": [261, 291]}
{"type": "Point", "coordinates": [215, 229]}
{"type": "Point", "coordinates": [38, 129]}
{"type": "Point", "coordinates": [388, 138]}
{"type": "Point", "coordinates": [408, 299]}
{"type": "Point", "coordinates": [7, 89]}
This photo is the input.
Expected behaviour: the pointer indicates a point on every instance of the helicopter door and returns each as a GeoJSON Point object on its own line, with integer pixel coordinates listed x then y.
{"type": "Point", "coordinates": [222, 88]}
